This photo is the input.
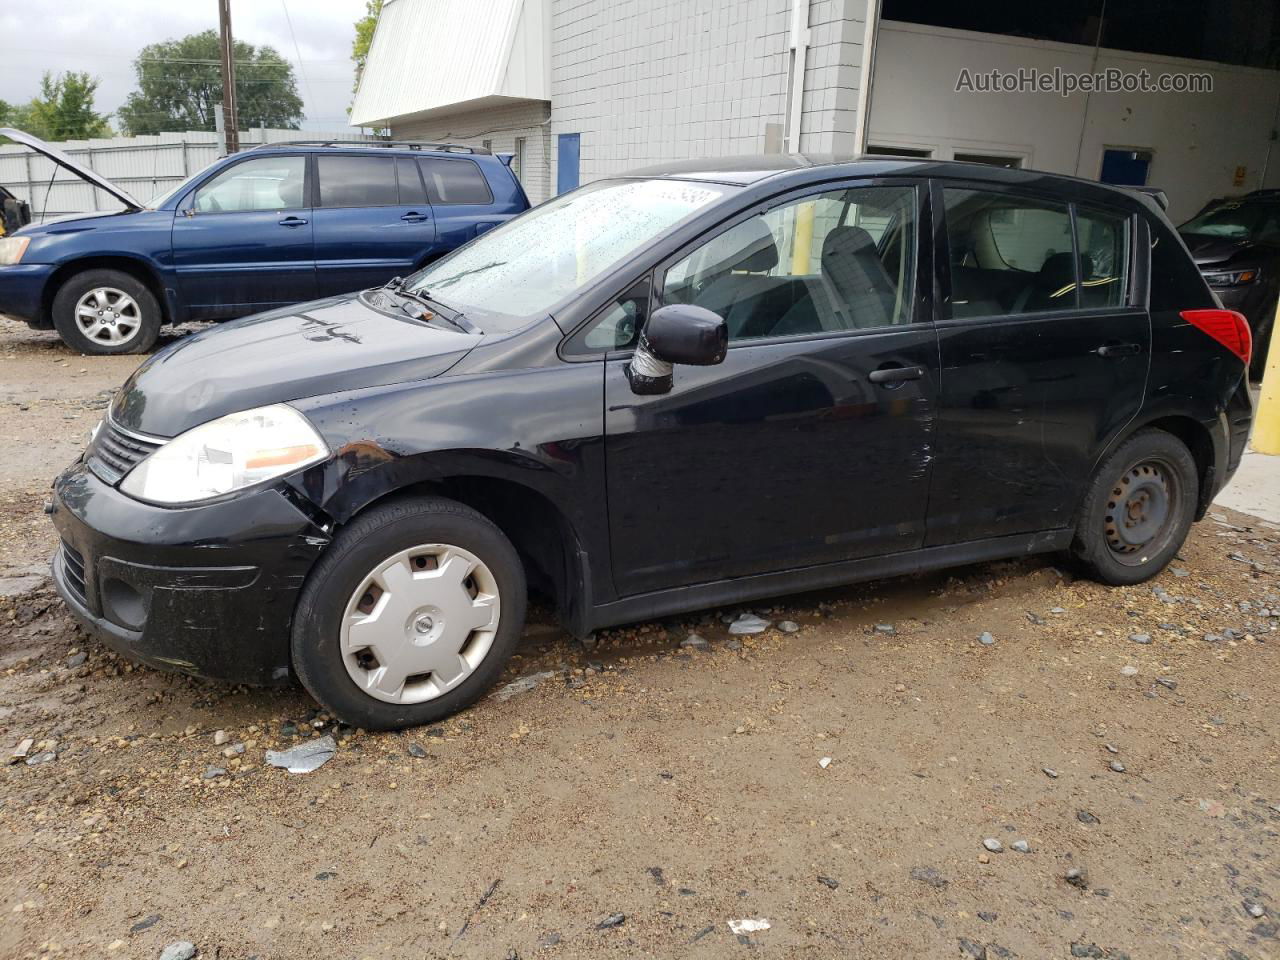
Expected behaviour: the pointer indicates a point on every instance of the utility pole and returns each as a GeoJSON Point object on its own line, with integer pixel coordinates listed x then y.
{"type": "Point", "coordinates": [231, 118]}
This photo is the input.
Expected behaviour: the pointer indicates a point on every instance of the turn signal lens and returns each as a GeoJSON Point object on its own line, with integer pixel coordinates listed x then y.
{"type": "Point", "coordinates": [1229, 328]}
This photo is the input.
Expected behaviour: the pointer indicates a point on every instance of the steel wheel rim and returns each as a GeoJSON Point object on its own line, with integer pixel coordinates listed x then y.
{"type": "Point", "coordinates": [108, 315]}
{"type": "Point", "coordinates": [1141, 511]}
{"type": "Point", "coordinates": [420, 623]}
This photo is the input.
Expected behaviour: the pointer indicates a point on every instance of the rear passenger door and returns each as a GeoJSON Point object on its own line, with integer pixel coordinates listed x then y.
{"type": "Point", "coordinates": [372, 220]}
{"type": "Point", "coordinates": [1045, 345]}
{"type": "Point", "coordinates": [810, 442]}
{"type": "Point", "coordinates": [461, 198]}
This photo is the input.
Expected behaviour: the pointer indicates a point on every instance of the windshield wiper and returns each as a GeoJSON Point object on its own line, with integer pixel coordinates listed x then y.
{"type": "Point", "coordinates": [457, 321]}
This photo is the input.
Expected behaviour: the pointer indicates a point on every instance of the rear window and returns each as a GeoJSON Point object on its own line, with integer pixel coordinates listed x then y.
{"type": "Point", "coordinates": [357, 181]}
{"type": "Point", "coordinates": [454, 181]}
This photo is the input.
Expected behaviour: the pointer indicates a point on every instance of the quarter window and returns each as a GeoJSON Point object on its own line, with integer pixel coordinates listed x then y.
{"type": "Point", "coordinates": [268, 183]}
{"type": "Point", "coordinates": [1009, 254]}
{"type": "Point", "coordinates": [454, 181]}
{"type": "Point", "coordinates": [618, 326]}
{"type": "Point", "coordinates": [357, 181]}
{"type": "Point", "coordinates": [836, 261]}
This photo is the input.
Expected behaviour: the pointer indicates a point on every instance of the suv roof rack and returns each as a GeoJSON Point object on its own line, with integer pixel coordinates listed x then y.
{"type": "Point", "coordinates": [400, 144]}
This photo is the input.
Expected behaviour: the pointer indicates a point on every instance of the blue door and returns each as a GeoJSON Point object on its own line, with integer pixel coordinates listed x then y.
{"type": "Point", "coordinates": [1127, 168]}
{"type": "Point", "coordinates": [568, 154]}
{"type": "Point", "coordinates": [242, 242]}
{"type": "Point", "coordinates": [373, 221]}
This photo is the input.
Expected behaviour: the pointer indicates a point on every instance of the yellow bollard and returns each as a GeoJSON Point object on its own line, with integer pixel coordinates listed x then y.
{"type": "Point", "coordinates": [802, 247]}
{"type": "Point", "coordinates": [1266, 419]}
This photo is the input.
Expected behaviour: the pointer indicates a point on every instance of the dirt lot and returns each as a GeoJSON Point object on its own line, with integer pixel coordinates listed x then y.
{"type": "Point", "coordinates": [678, 788]}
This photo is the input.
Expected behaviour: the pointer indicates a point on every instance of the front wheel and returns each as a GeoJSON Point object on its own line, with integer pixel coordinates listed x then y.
{"type": "Point", "coordinates": [103, 312]}
{"type": "Point", "coordinates": [410, 615]}
{"type": "Point", "coordinates": [1138, 509]}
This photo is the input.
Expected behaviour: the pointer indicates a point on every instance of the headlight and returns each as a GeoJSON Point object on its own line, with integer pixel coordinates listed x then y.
{"type": "Point", "coordinates": [227, 454]}
{"type": "Point", "coordinates": [12, 249]}
{"type": "Point", "coordinates": [1230, 278]}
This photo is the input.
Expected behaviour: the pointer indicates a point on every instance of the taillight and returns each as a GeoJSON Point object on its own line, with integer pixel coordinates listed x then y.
{"type": "Point", "coordinates": [1229, 328]}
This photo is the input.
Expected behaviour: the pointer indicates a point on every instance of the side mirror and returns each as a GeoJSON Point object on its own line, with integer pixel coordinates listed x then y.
{"type": "Point", "coordinates": [678, 333]}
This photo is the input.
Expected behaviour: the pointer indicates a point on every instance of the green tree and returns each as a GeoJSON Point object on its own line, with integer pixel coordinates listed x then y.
{"type": "Point", "coordinates": [364, 37]}
{"type": "Point", "coordinates": [62, 111]}
{"type": "Point", "coordinates": [179, 81]}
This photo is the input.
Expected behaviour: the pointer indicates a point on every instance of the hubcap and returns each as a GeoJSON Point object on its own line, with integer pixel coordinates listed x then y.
{"type": "Point", "coordinates": [1140, 511]}
{"type": "Point", "coordinates": [109, 316]}
{"type": "Point", "coordinates": [420, 623]}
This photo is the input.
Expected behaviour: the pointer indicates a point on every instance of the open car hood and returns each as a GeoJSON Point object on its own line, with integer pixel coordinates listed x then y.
{"type": "Point", "coordinates": [62, 160]}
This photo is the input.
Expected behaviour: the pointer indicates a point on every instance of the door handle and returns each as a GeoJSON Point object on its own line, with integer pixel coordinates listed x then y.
{"type": "Point", "coordinates": [895, 374]}
{"type": "Point", "coordinates": [414, 217]}
{"type": "Point", "coordinates": [1118, 350]}
{"type": "Point", "coordinates": [293, 222]}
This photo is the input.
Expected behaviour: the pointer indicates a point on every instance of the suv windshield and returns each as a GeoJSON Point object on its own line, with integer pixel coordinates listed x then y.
{"type": "Point", "coordinates": [526, 266]}
{"type": "Point", "coordinates": [1237, 219]}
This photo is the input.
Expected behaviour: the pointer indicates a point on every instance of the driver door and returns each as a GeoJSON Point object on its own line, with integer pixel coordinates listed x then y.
{"type": "Point", "coordinates": [811, 442]}
{"type": "Point", "coordinates": [242, 241]}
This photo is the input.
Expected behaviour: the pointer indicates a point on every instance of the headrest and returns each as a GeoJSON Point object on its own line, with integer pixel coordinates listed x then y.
{"type": "Point", "coordinates": [748, 246]}
{"type": "Point", "coordinates": [1058, 270]}
{"type": "Point", "coordinates": [848, 241]}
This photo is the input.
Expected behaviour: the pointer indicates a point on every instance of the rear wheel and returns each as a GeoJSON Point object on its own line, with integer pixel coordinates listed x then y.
{"type": "Point", "coordinates": [410, 615]}
{"type": "Point", "coordinates": [1138, 509]}
{"type": "Point", "coordinates": [106, 312]}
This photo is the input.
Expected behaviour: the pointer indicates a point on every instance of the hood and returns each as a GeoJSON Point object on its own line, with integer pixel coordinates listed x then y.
{"type": "Point", "coordinates": [66, 162]}
{"type": "Point", "coordinates": [1207, 250]}
{"type": "Point", "coordinates": [302, 351]}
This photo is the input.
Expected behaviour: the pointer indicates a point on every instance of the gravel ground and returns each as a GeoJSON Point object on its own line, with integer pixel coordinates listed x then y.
{"type": "Point", "coordinates": [849, 783]}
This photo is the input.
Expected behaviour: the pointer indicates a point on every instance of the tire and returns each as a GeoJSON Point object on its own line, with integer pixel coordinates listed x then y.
{"type": "Point", "coordinates": [105, 312]}
{"type": "Point", "coordinates": [1137, 509]}
{"type": "Point", "coordinates": [387, 600]}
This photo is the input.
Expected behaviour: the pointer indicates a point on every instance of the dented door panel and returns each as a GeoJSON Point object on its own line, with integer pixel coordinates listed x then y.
{"type": "Point", "coordinates": [787, 454]}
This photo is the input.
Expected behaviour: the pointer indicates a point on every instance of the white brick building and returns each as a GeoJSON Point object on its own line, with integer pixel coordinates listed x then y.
{"type": "Point", "coordinates": [579, 89]}
{"type": "Point", "coordinates": [638, 81]}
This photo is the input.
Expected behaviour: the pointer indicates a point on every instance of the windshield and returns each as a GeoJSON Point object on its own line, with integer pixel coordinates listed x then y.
{"type": "Point", "coordinates": [531, 263]}
{"type": "Point", "coordinates": [1238, 220]}
{"type": "Point", "coordinates": [161, 198]}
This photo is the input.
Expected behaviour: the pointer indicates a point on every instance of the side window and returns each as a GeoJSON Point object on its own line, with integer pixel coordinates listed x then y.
{"type": "Point", "coordinates": [1009, 254]}
{"type": "Point", "coordinates": [834, 261]}
{"type": "Point", "coordinates": [411, 189]}
{"type": "Point", "coordinates": [454, 181]}
{"type": "Point", "coordinates": [618, 326]}
{"type": "Point", "coordinates": [266, 183]}
{"type": "Point", "coordinates": [1104, 258]}
{"type": "Point", "coordinates": [356, 181]}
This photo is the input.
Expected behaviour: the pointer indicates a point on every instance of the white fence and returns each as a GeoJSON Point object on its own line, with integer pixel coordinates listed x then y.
{"type": "Point", "coordinates": [143, 167]}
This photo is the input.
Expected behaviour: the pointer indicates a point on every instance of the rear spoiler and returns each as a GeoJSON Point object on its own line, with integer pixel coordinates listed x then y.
{"type": "Point", "coordinates": [506, 158]}
{"type": "Point", "coordinates": [1156, 194]}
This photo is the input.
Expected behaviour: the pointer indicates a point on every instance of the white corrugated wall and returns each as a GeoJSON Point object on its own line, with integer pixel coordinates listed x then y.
{"type": "Point", "coordinates": [141, 166]}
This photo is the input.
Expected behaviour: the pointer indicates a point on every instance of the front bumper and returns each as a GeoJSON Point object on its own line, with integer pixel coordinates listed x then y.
{"type": "Point", "coordinates": [207, 590]}
{"type": "Point", "coordinates": [22, 290]}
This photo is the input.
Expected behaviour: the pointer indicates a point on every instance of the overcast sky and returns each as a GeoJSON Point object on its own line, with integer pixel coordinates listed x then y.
{"type": "Point", "coordinates": [103, 38]}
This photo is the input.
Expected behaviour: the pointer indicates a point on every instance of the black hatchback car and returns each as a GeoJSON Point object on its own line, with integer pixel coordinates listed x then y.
{"type": "Point", "coordinates": [689, 386]}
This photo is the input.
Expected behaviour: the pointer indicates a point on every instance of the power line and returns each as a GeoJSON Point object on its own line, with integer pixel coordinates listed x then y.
{"type": "Point", "coordinates": [294, 37]}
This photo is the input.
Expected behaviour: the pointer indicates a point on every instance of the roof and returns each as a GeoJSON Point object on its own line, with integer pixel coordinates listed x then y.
{"type": "Point", "coordinates": [750, 169]}
{"type": "Point", "coordinates": [434, 57]}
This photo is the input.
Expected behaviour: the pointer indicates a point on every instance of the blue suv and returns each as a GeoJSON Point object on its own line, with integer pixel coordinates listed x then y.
{"type": "Point", "coordinates": [272, 226]}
